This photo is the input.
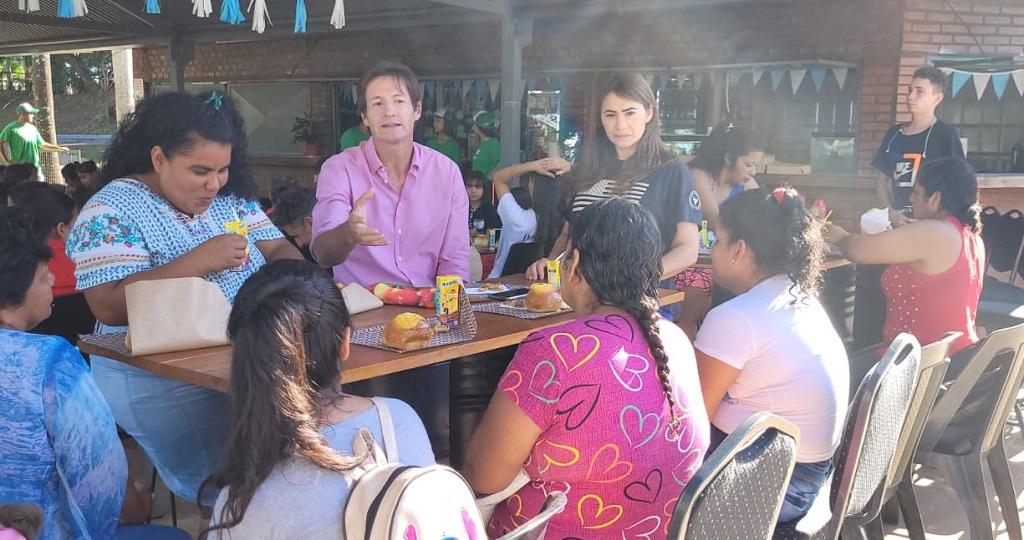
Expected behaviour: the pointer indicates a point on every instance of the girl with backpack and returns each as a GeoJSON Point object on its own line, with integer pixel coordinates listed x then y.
{"type": "Point", "coordinates": [290, 448]}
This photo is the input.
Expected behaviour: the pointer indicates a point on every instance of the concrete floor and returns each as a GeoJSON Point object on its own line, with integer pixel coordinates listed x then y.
{"type": "Point", "coordinates": [943, 515]}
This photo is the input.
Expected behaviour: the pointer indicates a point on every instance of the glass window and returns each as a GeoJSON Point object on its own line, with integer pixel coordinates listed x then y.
{"type": "Point", "coordinates": [269, 111]}
{"type": "Point", "coordinates": [991, 125]}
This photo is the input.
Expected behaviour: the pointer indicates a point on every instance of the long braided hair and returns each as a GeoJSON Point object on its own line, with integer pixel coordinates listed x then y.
{"type": "Point", "coordinates": [619, 246]}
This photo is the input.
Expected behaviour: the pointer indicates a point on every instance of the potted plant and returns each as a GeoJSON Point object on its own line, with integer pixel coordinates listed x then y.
{"type": "Point", "coordinates": [302, 131]}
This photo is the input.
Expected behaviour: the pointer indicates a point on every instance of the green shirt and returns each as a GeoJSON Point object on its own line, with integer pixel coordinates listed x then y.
{"type": "Point", "coordinates": [449, 147]}
{"type": "Point", "coordinates": [353, 136]}
{"type": "Point", "coordinates": [24, 141]}
{"type": "Point", "coordinates": [487, 156]}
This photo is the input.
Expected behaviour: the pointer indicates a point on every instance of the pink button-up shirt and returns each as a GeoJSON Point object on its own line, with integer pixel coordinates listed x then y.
{"type": "Point", "coordinates": [425, 224]}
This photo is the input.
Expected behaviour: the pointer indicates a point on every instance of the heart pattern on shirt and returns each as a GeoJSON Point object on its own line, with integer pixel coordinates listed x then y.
{"type": "Point", "coordinates": [595, 514]}
{"type": "Point", "coordinates": [606, 467]}
{"type": "Point", "coordinates": [574, 351]}
{"type": "Point", "coordinates": [614, 325]}
{"type": "Point", "coordinates": [543, 385]}
{"type": "Point", "coordinates": [628, 369]}
{"type": "Point", "coordinates": [635, 425]}
{"type": "Point", "coordinates": [647, 490]}
{"type": "Point", "coordinates": [645, 528]}
{"type": "Point", "coordinates": [577, 403]}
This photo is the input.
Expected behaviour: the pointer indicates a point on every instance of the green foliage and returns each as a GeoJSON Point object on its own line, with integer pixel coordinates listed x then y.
{"type": "Point", "coordinates": [302, 130]}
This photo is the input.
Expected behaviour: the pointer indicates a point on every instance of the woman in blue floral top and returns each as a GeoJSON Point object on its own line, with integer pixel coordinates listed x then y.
{"type": "Point", "coordinates": [176, 172]}
{"type": "Point", "coordinates": [58, 443]}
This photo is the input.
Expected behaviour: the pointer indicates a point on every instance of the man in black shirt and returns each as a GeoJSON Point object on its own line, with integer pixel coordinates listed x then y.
{"type": "Point", "coordinates": [906, 147]}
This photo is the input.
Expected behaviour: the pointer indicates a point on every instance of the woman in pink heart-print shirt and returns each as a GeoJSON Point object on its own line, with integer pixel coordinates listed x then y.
{"type": "Point", "coordinates": [606, 408]}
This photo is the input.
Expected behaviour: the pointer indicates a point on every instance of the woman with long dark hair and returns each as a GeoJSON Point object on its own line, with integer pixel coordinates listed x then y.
{"type": "Point", "coordinates": [625, 157]}
{"type": "Point", "coordinates": [724, 166]}
{"type": "Point", "coordinates": [607, 401]}
{"type": "Point", "coordinates": [937, 263]}
{"type": "Point", "coordinates": [772, 347]}
{"type": "Point", "coordinates": [176, 173]}
{"type": "Point", "coordinates": [292, 427]}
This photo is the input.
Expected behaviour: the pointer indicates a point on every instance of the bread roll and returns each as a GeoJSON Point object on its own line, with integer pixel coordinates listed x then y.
{"type": "Point", "coordinates": [407, 332]}
{"type": "Point", "coordinates": [543, 298]}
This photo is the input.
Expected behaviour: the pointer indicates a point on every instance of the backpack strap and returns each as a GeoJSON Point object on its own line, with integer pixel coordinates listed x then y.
{"type": "Point", "coordinates": [387, 429]}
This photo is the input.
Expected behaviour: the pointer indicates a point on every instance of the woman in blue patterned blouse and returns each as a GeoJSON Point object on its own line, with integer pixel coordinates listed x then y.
{"type": "Point", "coordinates": [58, 442]}
{"type": "Point", "coordinates": [176, 172]}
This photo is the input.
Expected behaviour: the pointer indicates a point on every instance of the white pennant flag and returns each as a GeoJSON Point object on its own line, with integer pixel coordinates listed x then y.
{"type": "Point", "coordinates": [796, 78]}
{"type": "Point", "coordinates": [338, 15]}
{"type": "Point", "coordinates": [202, 8]}
{"type": "Point", "coordinates": [260, 15]}
{"type": "Point", "coordinates": [492, 86]}
{"type": "Point", "coordinates": [464, 87]}
{"type": "Point", "coordinates": [28, 5]}
{"type": "Point", "coordinates": [649, 77]}
{"type": "Point", "coordinates": [758, 73]}
{"type": "Point", "coordinates": [1018, 81]}
{"type": "Point", "coordinates": [841, 74]}
{"type": "Point", "coordinates": [981, 83]}
{"type": "Point", "coordinates": [947, 71]}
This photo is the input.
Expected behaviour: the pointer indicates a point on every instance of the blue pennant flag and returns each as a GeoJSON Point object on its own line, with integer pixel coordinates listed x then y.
{"type": "Point", "coordinates": [999, 82]}
{"type": "Point", "coordinates": [153, 7]}
{"type": "Point", "coordinates": [300, 16]}
{"type": "Point", "coordinates": [818, 76]}
{"type": "Point", "coordinates": [959, 80]}
{"type": "Point", "coordinates": [777, 75]}
{"type": "Point", "coordinates": [231, 12]}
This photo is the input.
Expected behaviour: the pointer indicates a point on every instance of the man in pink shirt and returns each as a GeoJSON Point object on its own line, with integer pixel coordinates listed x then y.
{"type": "Point", "coordinates": [390, 209]}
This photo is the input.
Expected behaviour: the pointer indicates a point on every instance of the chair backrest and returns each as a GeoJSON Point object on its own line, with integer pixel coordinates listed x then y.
{"type": "Point", "coordinates": [535, 527]}
{"type": "Point", "coordinates": [738, 491]}
{"type": "Point", "coordinates": [1005, 343]}
{"type": "Point", "coordinates": [872, 431]}
{"type": "Point", "coordinates": [520, 257]}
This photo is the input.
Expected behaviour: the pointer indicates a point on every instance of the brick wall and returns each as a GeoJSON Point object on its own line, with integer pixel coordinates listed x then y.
{"type": "Point", "coordinates": [930, 27]}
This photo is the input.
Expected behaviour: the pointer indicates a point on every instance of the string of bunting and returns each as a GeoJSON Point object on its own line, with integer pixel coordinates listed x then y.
{"type": "Point", "coordinates": [999, 80]}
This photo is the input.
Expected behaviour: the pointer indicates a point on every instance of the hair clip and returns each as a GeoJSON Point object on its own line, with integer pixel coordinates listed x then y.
{"type": "Point", "coordinates": [216, 99]}
{"type": "Point", "coordinates": [779, 194]}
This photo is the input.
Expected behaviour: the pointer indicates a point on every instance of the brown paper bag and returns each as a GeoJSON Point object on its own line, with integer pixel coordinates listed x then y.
{"type": "Point", "coordinates": [177, 314]}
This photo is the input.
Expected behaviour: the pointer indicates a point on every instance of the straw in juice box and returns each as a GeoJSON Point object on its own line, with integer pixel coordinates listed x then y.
{"type": "Point", "coordinates": [239, 227]}
{"type": "Point", "coordinates": [555, 272]}
{"type": "Point", "coordinates": [446, 301]}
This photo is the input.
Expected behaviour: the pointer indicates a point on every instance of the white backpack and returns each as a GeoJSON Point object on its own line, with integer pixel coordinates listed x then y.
{"type": "Point", "coordinates": [391, 501]}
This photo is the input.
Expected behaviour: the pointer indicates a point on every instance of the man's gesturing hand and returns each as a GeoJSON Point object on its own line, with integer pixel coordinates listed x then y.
{"type": "Point", "coordinates": [362, 234]}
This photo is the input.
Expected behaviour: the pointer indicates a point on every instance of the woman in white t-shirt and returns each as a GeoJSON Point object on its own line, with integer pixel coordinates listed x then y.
{"type": "Point", "coordinates": [772, 347]}
{"type": "Point", "coordinates": [515, 207]}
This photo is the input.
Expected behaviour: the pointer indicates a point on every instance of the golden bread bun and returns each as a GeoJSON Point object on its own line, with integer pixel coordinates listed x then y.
{"type": "Point", "coordinates": [543, 298]}
{"type": "Point", "coordinates": [407, 332]}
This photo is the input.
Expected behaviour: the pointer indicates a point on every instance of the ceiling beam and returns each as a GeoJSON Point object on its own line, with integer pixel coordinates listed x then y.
{"type": "Point", "coordinates": [497, 7]}
{"type": "Point", "coordinates": [600, 7]}
{"type": "Point", "coordinates": [74, 24]}
{"type": "Point", "coordinates": [77, 45]}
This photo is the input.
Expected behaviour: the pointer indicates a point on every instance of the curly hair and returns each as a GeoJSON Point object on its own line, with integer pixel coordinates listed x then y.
{"type": "Point", "coordinates": [955, 179]}
{"type": "Point", "coordinates": [177, 122]}
{"type": "Point", "coordinates": [782, 234]}
{"type": "Point", "coordinates": [620, 256]}
{"type": "Point", "coordinates": [292, 201]}
{"type": "Point", "coordinates": [22, 250]}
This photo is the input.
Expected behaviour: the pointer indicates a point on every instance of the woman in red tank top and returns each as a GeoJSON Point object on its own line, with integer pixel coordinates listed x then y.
{"type": "Point", "coordinates": [937, 263]}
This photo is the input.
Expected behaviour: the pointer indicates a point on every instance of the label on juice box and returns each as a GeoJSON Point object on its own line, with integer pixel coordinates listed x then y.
{"type": "Point", "coordinates": [240, 228]}
{"type": "Point", "coordinates": [555, 273]}
{"type": "Point", "coordinates": [446, 301]}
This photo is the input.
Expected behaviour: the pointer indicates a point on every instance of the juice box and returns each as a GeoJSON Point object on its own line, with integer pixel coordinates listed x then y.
{"type": "Point", "coordinates": [239, 227]}
{"type": "Point", "coordinates": [555, 273]}
{"type": "Point", "coordinates": [705, 241]}
{"type": "Point", "coordinates": [446, 301]}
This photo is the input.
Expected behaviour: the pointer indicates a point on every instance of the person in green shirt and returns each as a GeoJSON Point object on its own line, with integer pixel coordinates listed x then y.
{"type": "Point", "coordinates": [488, 153]}
{"type": "Point", "coordinates": [442, 140]}
{"type": "Point", "coordinates": [354, 136]}
{"type": "Point", "coordinates": [23, 139]}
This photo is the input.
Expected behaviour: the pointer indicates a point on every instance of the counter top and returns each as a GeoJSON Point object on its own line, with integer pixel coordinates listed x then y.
{"type": "Point", "coordinates": [1000, 180]}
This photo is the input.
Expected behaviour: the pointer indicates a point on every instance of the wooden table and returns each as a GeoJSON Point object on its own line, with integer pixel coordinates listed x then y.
{"type": "Point", "coordinates": [211, 367]}
{"type": "Point", "coordinates": [831, 262]}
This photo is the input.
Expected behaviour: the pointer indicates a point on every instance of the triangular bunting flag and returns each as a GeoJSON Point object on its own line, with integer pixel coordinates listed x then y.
{"type": "Point", "coordinates": [464, 87]}
{"type": "Point", "coordinates": [947, 71]}
{"type": "Point", "coordinates": [959, 80]}
{"type": "Point", "coordinates": [840, 74]}
{"type": "Point", "coordinates": [796, 78]}
{"type": "Point", "coordinates": [999, 82]}
{"type": "Point", "coordinates": [338, 15]}
{"type": "Point", "coordinates": [423, 89]}
{"type": "Point", "coordinates": [492, 87]}
{"type": "Point", "coordinates": [777, 75]}
{"type": "Point", "coordinates": [758, 73]}
{"type": "Point", "coordinates": [981, 83]}
{"type": "Point", "coordinates": [1018, 81]}
{"type": "Point", "coordinates": [818, 76]}
{"type": "Point", "coordinates": [649, 77]}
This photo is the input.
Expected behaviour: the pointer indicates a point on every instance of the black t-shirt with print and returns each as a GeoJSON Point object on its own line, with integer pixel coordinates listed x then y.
{"type": "Point", "coordinates": [488, 214]}
{"type": "Point", "coordinates": [667, 192]}
{"type": "Point", "coordinates": [901, 156]}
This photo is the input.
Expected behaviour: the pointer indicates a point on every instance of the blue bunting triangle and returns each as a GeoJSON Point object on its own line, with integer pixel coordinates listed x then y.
{"type": "Point", "coordinates": [959, 80]}
{"type": "Point", "coordinates": [999, 83]}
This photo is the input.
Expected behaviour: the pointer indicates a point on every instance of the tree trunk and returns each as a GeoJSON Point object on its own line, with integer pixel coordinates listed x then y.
{"type": "Point", "coordinates": [42, 93]}
{"type": "Point", "coordinates": [88, 83]}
